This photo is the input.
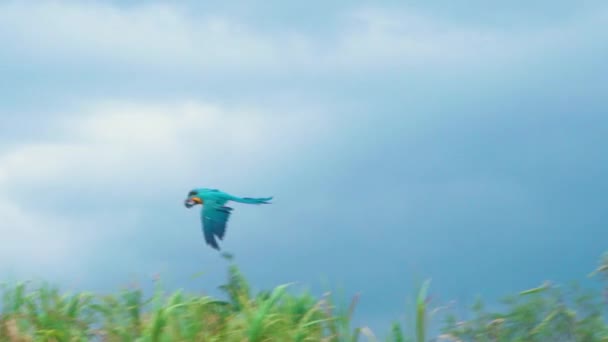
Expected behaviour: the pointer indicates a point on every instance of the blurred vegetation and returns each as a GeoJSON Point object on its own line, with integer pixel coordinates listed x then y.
{"type": "Point", "coordinates": [43, 313]}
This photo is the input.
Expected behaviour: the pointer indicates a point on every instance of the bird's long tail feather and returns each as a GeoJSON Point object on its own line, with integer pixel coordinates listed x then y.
{"type": "Point", "coordinates": [249, 200]}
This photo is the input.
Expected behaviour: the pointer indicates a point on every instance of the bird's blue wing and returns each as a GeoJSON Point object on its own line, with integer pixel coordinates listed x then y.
{"type": "Point", "coordinates": [214, 217]}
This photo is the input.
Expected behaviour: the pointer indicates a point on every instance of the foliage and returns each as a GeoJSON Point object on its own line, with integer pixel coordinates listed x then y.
{"type": "Point", "coordinates": [546, 313]}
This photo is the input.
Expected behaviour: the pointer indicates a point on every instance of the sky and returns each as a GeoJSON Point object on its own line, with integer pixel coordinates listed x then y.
{"type": "Point", "coordinates": [401, 140]}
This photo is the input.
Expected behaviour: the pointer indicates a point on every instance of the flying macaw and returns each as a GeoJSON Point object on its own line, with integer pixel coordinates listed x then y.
{"type": "Point", "coordinates": [214, 214]}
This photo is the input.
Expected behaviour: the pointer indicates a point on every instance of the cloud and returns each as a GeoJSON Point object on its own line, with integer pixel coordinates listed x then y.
{"type": "Point", "coordinates": [115, 139]}
{"type": "Point", "coordinates": [157, 35]}
{"type": "Point", "coordinates": [35, 241]}
{"type": "Point", "coordinates": [126, 156]}
{"type": "Point", "coordinates": [177, 39]}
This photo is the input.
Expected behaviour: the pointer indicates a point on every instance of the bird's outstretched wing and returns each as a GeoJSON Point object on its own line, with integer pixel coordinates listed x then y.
{"type": "Point", "coordinates": [214, 217]}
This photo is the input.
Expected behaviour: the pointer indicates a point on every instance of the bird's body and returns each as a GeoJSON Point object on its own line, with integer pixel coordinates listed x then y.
{"type": "Point", "coordinates": [215, 213]}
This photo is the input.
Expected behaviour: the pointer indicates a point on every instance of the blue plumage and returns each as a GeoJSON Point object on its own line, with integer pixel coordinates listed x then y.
{"type": "Point", "coordinates": [215, 214]}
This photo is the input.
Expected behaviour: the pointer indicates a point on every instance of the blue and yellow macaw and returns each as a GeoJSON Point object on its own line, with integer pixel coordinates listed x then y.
{"type": "Point", "coordinates": [214, 214]}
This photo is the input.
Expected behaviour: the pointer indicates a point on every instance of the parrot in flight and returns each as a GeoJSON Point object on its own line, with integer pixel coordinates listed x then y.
{"type": "Point", "coordinates": [214, 212]}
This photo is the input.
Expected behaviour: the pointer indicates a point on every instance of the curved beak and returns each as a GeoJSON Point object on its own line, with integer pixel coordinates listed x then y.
{"type": "Point", "coordinates": [190, 202]}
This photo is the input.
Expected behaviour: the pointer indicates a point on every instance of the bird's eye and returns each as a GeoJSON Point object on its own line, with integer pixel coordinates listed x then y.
{"type": "Point", "coordinates": [191, 193]}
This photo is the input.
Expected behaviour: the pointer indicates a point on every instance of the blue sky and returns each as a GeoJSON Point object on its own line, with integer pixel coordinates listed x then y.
{"type": "Point", "coordinates": [400, 140]}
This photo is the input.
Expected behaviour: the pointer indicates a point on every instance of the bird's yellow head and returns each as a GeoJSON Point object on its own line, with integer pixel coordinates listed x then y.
{"type": "Point", "coordinates": [193, 199]}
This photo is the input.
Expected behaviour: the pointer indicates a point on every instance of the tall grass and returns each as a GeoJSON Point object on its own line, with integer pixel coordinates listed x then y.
{"type": "Point", "coordinates": [42, 313]}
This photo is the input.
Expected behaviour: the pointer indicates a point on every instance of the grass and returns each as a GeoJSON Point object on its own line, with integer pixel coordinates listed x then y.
{"type": "Point", "coordinates": [43, 313]}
